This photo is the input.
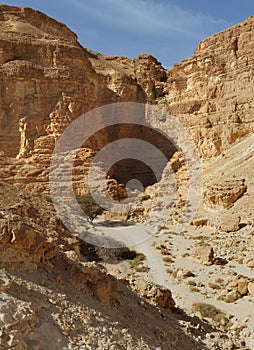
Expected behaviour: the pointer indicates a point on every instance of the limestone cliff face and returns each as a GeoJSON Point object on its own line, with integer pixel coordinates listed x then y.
{"type": "Point", "coordinates": [212, 92]}
{"type": "Point", "coordinates": [48, 80]}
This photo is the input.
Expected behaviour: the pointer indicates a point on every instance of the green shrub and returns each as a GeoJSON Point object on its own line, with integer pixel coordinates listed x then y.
{"type": "Point", "coordinates": [157, 92]}
{"type": "Point", "coordinates": [138, 259]}
{"type": "Point", "coordinates": [142, 269]}
{"type": "Point", "coordinates": [137, 263]}
{"type": "Point", "coordinates": [210, 311]}
{"type": "Point", "coordinates": [89, 205]}
{"type": "Point", "coordinates": [129, 255]}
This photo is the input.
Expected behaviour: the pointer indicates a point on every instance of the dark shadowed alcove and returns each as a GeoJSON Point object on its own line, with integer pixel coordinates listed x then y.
{"type": "Point", "coordinates": [131, 168]}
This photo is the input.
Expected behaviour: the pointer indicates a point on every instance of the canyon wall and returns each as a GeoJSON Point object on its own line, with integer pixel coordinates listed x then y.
{"type": "Point", "coordinates": [48, 79]}
{"type": "Point", "coordinates": [212, 91]}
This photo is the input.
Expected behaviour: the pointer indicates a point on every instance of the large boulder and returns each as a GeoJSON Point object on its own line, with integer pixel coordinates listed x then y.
{"type": "Point", "coordinates": [204, 254]}
{"type": "Point", "coordinates": [229, 222]}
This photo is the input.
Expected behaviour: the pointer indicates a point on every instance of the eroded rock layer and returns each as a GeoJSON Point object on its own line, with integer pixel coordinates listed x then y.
{"type": "Point", "coordinates": [212, 91]}
{"type": "Point", "coordinates": [48, 80]}
{"type": "Point", "coordinates": [52, 295]}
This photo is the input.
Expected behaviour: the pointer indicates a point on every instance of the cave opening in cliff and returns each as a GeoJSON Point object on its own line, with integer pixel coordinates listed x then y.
{"type": "Point", "coordinates": [126, 171]}
{"type": "Point", "coordinates": [131, 170]}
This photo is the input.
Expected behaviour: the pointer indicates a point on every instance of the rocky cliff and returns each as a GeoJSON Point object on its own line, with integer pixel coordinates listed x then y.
{"type": "Point", "coordinates": [212, 92]}
{"type": "Point", "coordinates": [48, 80]}
{"type": "Point", "coordinates": [51, 296]}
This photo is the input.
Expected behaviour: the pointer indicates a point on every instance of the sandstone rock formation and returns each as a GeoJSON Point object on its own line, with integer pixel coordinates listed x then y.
{"type": "Point", "coordinates": [45, 70]}
{"type": "Point", "coordinates": [225, 193]}
{"type": "Point", "coordinates": [204, 254]}
{"type": "Point", "coordinates": [50, 299]}
{"type": "Point", "coordinates": [157, 295]}
{"type": "Point", "coordinates": [201, 90]}
{"type": "Point", "coordinates": [48, 80]}
{"type": "Point", "coordinates": [230, 223]}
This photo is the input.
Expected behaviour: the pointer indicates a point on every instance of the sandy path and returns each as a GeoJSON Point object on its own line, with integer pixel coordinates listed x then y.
{"type": "Point", "coordinates": [141, 238]}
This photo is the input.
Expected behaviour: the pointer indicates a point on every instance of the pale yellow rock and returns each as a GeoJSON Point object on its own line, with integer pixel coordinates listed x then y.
{"type": "Point", "coordinates": [232, 296]}
{"type": "Point", "coordinates": [251, 264]}
{"type": "Point", "coordinates": [251, 288]}
{"type": "Point", "coordinates": [48, 80]}
{"type": "Point", "coordinates": [155, 294]}
{"type": "Point", "coordinates": [204, 254]}
{"type": "Point", "coordinates": [184, 274]}
{"type": "Point", "coordinates": [210, 93]}
{"type": "Point", "coordinates": [242, 287]}
{"type": "Point", "coordinates": [232, 285]}
{"type": "Point", "coordinates": [229, 222]}
{"type": "Point", "coordinates": [223, 195]}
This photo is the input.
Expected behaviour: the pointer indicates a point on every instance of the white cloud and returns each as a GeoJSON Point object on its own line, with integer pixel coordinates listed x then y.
{"type": "Point", "coordinates": [150, 17]}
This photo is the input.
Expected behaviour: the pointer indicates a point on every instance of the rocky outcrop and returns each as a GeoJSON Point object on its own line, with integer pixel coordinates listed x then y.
{"type": "Point", "coordinates": [211, 92]}
{"type": "Point", "coordinates": [204, 254]}
{"type": "Point", "coordinates": [154, 294]}
{"type": "Point", "coordinates": [229, 222]}
{"type": "Point", "coordinates": [48, 80]}
{"type": "Point", "coordinates": [224, 194]}
{"type": "Point", "coordinates": [24, 241]}
{"type": "Point", "coordinates": [52, 298]}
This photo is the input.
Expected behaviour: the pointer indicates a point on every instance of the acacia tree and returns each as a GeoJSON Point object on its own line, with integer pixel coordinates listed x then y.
{"type": "Point", "coordinates": [89, 206]}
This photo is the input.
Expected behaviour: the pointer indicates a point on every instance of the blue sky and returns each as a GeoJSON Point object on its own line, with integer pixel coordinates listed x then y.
{"type": "Point", "coordinates": [168, 29]}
